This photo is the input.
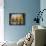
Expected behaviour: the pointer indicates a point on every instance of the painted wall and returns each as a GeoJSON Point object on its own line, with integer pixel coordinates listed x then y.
{"type": "Point", "coordinates": [29, 7]}
{"type": "Point", "coordinates": [43, 6]}
{"type": "Point", "coordinates": [1, 21]}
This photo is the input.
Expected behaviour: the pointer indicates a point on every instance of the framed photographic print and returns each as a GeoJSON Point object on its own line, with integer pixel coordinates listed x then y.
{"type": "Point", "coordinates": [17, 18]}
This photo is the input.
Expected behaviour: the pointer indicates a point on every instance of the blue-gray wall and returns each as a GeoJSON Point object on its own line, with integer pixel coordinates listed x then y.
{"type": "Point", "coordinates": [43, 6]}
{"type": "Point", "coordinates": [29, 7]}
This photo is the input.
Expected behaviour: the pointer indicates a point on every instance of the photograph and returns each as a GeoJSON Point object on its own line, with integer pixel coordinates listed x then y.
{"type": "Point", "coordinates": [17, 19]}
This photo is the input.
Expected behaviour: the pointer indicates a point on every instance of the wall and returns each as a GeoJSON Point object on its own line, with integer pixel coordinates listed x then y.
{"type": "Point", "coordinates": [43, 6]}
{"type": "Point", "coordinates": [29, 7]}
{"type": "Point", "coordinates": [1, 21]}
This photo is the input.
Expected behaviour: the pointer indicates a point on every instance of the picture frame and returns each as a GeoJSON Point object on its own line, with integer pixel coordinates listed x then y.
{"type": "Point", "coordinates": [17, 18]}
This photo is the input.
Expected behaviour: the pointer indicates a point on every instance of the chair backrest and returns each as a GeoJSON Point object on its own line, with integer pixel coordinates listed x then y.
{"type": "Point", "coordinates": [36, 29]}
